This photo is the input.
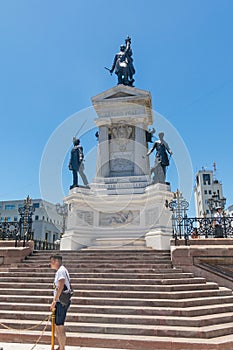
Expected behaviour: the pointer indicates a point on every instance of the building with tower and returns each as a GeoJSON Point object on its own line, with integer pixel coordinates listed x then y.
{"type": "Point", "coordinates": [208, 193]}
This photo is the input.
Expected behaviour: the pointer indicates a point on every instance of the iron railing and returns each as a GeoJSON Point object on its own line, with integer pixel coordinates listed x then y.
{"type": "Point", "coordinates": [44, 245]}
{"type": "Point", "coordinates": [12, 231]}
{"type": "Point", "coordinates": [186, 228]}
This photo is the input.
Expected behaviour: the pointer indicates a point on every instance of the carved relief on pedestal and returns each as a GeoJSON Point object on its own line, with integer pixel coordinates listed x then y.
{"type": "Point", "coordinates": [84, 217]}
{"type": "Point", "coordinates": [122, 134]}
{"type": "Point", "coordinates": [121, 148]}
{"type": "Point", "coordinates": [120, 218]}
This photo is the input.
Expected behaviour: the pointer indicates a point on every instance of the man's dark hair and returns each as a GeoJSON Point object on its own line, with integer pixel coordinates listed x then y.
{"type": "Point", "coordinates": [56, 257]}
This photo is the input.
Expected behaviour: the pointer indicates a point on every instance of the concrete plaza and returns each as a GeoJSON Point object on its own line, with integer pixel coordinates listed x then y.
{"type": "Point", "coordinates": [17, 346]}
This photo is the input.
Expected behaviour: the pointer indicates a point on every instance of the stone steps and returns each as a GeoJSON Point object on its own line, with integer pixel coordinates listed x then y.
{"type": "Point", "coordinates": [7, 288]}
{"type": "Point", "coordinates": [126, 341]}
{"type": "Point", "coordinates": [108, 277]}
{"type": "Point", "coordinates": [126, 299]}
{"type": "Point", "coordinates": [147, 329]}
{"type": "Point", "coordinates": [24, 312]}
{"type": "Point", "coordinates": [109, 257]}
{"type": "Point", "coordinates": [140, 270]}
{"type": "Point", "coordinates": [17, 303]}
{"type": "Point", "coordinates": [132, 295]}
{"type": "Point", "coordinates": [96, 255]}
{"type": "Point", "coordinates": [8, 318]}
{"type": "Point", "coordinates": [109, 282]}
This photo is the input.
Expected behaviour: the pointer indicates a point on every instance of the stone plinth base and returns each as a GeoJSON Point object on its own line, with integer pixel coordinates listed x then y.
{"type": "Point", "coordinates": [10, 254]}
{"type": "Point", "coordinates": [105, 219]}
{"type": "Point", "coordinates": [158, 238]}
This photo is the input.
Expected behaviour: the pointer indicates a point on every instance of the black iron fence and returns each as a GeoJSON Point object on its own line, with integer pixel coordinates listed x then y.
{"type": "Point", "coordinates": [9, 230]}
{"type": "Point", "coordinates": [44, 245]}
{"type": "Point", "coordinates": [14, 231]}
{"type": "Point", "coordinates": [186, 228]}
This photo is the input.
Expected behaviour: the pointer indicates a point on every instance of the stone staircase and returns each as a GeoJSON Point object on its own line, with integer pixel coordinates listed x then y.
{"type": "Point", "coordinates": [123, 299]}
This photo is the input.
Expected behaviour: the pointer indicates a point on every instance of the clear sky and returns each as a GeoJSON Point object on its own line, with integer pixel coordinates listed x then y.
{"type": "Point", "coordinates": [52, 62]}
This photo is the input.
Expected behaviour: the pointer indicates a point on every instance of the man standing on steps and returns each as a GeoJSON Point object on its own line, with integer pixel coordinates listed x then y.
{"type": "Point", "coordinates": [61, 280]}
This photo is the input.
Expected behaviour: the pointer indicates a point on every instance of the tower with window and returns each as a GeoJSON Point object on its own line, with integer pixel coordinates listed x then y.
{"type": "Point", "coordinates": [207, 193]}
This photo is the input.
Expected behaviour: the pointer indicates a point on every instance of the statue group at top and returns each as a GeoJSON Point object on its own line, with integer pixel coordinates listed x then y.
{"type": "Point", "coordinates": [123, 64]}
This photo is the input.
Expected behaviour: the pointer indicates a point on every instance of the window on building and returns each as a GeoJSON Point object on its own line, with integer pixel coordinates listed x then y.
{"type": "Point", "coordinates": [36, 217]}
{"type": "Point", "coordinates": [206, 179]}
{"type": "Point", "coordinates": [15, 218]}
{"type": "Point", "coordinates": [205, 191]}
{"type": "Point", "coordinates": [9, 206]}
{"type": "Point", "coordinates": [5, 219]}
{"type": "Point", "coordinates": [36, 205]}
{"type": "Point", "coordinates": [210, 192]}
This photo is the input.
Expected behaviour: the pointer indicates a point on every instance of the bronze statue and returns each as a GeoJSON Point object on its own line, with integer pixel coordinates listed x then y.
{"type": "Point", "coordinates": [76, 163]}
{"type": "Point", "coordinates": [161, 159]}
{"type": "Point", "coordinates": [123, 64]}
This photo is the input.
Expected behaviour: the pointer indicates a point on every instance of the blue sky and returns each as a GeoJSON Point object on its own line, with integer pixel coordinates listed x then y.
{"type": "Point", "coordinates": [52, 62]}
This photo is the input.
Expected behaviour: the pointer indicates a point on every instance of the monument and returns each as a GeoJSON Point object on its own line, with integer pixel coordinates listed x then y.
{"type": "Point", "coordinates": [122, 206]}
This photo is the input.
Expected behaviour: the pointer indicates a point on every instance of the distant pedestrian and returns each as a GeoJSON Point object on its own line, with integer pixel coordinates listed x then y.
{"type": "Point", "coordinates": [218, 230]}
{"type": "Point", "coordinates": [61, 282]}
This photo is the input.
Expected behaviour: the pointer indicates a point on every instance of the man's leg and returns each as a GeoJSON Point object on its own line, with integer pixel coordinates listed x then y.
{"type": "Point", "coordinates": [83, 176]}
{"type": "Point", "coordinates": [61, 337]}
{"type": "Point", "coordinates": [59, 325]}
{"type": "Point", "coordinates": [75, 178]}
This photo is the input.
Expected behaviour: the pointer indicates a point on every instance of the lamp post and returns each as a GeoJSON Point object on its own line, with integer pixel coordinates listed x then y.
{"type": "Point", "coordinates": [63, 211]}
{"type": "Point", "coordinates": [25, 221]}
{"type": "Point", "coordinates": [179, 207]}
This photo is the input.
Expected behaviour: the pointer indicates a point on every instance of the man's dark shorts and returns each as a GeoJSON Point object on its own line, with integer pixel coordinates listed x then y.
{"type": "Point", "coordinates": [61, 314]}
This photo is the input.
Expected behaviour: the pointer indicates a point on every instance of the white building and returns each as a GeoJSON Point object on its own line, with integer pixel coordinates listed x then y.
{"type": "Point", "coordinates": [229, 211]}
{"type": "Point", "coordinates": [47, 223]}
{"type": "Point", "coordinates": [207, 187]}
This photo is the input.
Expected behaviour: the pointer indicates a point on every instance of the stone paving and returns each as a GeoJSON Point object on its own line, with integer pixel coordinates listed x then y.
{"type": "Point", "coordinates": [17, 346]}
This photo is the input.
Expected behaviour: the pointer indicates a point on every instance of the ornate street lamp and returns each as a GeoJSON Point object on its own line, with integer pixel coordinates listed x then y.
{"type": "Point", "coordinates": [25, 221]}
{"type": "Point", "coordinates": [179, 207]}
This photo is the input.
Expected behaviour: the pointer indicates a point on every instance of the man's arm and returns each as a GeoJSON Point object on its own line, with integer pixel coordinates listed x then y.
{"type": "Point", "coordinates": [59, 290]}
{"type": "Point", "coordinates": [152, 149]}
{"type": "Point", "coordinates": [114, 64]}
{"type": "Point", "coordinates": [167, 147]}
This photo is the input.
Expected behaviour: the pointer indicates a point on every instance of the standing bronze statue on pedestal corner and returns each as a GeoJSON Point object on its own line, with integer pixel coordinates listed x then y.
{"type": "Point", "coordinates": [161, 159]}
{"type": "Point", "coordinates": [76, 163]}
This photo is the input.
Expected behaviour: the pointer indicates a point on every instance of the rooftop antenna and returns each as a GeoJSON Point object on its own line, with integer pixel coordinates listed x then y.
{"type": "Point", "coordinates": [214, 172]}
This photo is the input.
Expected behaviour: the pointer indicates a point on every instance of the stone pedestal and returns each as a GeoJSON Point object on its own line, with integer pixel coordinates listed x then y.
{"type": "Point", "coordinates": [122, 206]}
